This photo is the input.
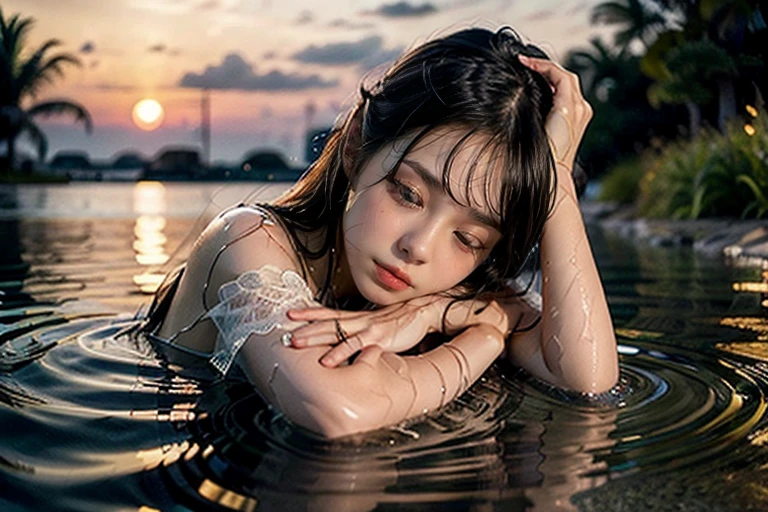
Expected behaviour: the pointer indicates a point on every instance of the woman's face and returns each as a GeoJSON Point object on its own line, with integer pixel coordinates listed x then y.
{"type": "Point", "coordinates": [404, 236]}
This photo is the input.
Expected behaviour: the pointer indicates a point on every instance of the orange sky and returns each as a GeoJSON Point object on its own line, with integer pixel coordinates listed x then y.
{"type": "Point", "coordinates": [273, 57]}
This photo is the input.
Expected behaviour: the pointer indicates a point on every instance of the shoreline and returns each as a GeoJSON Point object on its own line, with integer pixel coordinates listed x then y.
{"type": "Point", "coordinates": [744, 242]}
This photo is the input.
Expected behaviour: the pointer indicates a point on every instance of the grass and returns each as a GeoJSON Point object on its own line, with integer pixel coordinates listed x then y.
{"type": "Point", "coordinates": [713, 175]}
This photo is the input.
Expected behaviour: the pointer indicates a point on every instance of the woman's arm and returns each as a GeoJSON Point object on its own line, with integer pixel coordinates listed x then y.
{"type": "Point", "coordinates": [378, 389]}
{"type": "Point", "coordinates": [574, 344]}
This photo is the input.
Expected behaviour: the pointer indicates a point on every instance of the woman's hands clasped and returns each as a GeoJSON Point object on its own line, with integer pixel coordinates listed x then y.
{"type": "Point", "coordinates": [401, 326]}
{"type": "Point", "coordinates": [394, 328]}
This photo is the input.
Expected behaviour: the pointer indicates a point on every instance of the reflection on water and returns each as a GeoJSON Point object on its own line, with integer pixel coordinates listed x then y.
{"type": "Point", "coordinates": [149, 203]}
{"type": "Point", "coordinates": [92, 418]}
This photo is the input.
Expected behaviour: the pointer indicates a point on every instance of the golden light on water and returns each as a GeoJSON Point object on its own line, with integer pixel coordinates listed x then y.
{"type": "Point", "coordinates": [149, 205]}
{"type": "Point", "coordinates": [750, 287]}
{"type": "Point", "coordinates": [148, 114]}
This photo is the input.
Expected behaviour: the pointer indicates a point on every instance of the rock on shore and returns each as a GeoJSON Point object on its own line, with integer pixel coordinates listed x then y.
{"type": "Point", "coordinates": [742, 240]}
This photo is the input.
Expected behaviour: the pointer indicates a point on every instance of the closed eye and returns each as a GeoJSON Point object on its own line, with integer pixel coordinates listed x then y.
{"type": "Point", "coordinates": [405, 194]}
{"type": "Point", "coordinates": [469, 241]}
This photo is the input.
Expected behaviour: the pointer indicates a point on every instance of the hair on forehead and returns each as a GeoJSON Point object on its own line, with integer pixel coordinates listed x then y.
{"type": "Point", "coordinates": [488, 163]}
{"type": "Point", "coordinates": [470, 80]}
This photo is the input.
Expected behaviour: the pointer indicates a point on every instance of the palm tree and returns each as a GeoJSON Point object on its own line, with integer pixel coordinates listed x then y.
{"type": "Point", "coordinates": [721, 32]}
{"type": "Point", "coordinates": [597, 66]}
{"type": "Point", "coordinates": [634, 19]}
{"type": "Point", "coordinates": [21, 79]}
{"type": "Point", "coordinates": [688, 73]}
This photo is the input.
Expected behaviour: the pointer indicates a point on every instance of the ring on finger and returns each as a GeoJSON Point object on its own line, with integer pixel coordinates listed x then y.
{"type": "Point", "coordinates": [341, 335]}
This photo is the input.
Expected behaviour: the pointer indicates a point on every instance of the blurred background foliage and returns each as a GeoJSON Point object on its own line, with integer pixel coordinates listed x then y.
{"type": "Point", "coordinates": [679, 128]}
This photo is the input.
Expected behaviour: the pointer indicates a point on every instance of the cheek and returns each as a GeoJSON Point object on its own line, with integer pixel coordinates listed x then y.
{"type": "Point", "coordinates": [369, 218]}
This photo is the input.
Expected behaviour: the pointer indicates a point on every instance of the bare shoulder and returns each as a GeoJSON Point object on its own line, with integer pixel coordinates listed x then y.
{"type": "Point", "coordinates": [241, 239]}
{"type": "Point", "coordinates": [245, 236]}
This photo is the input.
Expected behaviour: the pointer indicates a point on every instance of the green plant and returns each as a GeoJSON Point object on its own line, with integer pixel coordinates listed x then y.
{"type": "Point", "coordinates": [621, 184]}
{"type": "Point", "coordinates": [713, 175]}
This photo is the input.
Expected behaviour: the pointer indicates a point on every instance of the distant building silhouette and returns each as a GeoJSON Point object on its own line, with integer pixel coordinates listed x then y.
{"type": "Point", "coordinates": [129, 160]}
{"type": "Point", "coordinates": [266, 165]}
{"type": "Point", "coordinates": [176, 163]}
{"type": "Point", "coordinates": [68, 160]}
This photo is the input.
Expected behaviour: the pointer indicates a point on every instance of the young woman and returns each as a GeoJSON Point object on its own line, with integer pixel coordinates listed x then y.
{"type": "Point", "coordinates": [423, 206]}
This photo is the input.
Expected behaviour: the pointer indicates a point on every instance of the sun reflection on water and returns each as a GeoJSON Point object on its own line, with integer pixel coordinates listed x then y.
{"type": "Point", "coordinates": [149, 203]}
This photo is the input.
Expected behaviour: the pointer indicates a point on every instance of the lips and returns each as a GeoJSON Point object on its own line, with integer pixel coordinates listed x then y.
{"type": "Point", "coordinates": [392, 278]}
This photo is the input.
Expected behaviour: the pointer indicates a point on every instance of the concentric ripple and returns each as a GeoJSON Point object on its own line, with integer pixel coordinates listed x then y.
{"type": "Point", "coordinates": [504, 440]}
{"type": "Point", "coordinates": [92, 417]}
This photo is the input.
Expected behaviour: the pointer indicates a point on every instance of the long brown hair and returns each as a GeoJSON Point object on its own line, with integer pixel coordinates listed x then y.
{"type": "Point", "coordinates": [471, 80]}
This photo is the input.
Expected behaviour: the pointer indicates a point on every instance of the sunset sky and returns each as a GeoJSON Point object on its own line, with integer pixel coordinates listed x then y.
{"type": "Point", "coordinates": [274, 67]}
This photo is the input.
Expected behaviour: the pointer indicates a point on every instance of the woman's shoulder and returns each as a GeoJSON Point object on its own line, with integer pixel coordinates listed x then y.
{"type": "Point", "coordinates": [246, 237]}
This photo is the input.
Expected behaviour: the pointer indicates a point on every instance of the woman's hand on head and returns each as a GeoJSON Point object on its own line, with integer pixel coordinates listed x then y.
{"type": "Point", "coordinates": [393, 328]}
{"type": "Point", "coordinates": [570, 114]}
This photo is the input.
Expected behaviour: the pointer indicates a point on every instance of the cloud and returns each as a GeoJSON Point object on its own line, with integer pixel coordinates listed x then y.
{"type": "Point", "coordinates": [404, 10]}
{"type": "Point", "coordinates": [540, 15]}
{"type": "Point", "coordinates": [234, 73]}
{"type": "Point", "coordinates": [114, 87]}
{"type": "Point", "coordinates": [208, 5]}
{"type": "Point", "coordinates": [88, 47]}
{"type": "Point", "coordinates": [384, 56]}
{"type": "Point", "coordinates": [344, 23]}
{"type": "Point", "coordinates": [162, 48]}
{"type": "Point", "coordinates": [305, 17]}
{"type": "Point", "coordinates": [579, 7]}
{"type": "Point", "coordinates": [269, 55]}
{"type": "Point", "coordinates": [340, 53]}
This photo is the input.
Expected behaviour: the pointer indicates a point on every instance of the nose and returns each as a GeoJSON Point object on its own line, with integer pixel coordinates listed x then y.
{"type": "Point", "coordinates": [417, 243]}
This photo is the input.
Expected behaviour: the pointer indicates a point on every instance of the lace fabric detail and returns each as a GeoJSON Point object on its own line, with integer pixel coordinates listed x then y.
{"type": "Point", "coordinates": [254, 303]}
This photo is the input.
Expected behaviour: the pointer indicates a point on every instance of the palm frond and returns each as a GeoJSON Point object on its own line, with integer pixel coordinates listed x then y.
{"type": "Point", "coordinates": [36, 72]}
{"type": "Point", "coordinates": [62, 107]}
{"type": "Point", "coordinates": [36, 136]}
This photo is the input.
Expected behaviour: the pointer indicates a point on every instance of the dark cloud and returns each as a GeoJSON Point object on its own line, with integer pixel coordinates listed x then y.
{"type": "Point", "coordinates": [88, 47]}
{"type": "Point", "coordinates": [340, 53]}
{"type": "Point", "coordinates": [305, 17]}
{"type": "Point", "coordinates": [379, 58]}
{"type": "Point", "coordinates": [344, 23]}
{"type": "Point", "coordinates": [236, 74]}
{"type": "Point", "coordinates": [404, 10]}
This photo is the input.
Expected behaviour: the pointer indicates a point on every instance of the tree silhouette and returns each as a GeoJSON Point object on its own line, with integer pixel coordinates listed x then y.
{"type": "Point", "coordinates": [21, 79]}
{"type": "Point", "coordinates": [635, 20]}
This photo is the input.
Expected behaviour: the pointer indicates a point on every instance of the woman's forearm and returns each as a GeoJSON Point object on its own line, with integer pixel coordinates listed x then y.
{"type": "Point", "coordinates": [378, 389]}
{"type": "Point", "coordinates": [574, 345]}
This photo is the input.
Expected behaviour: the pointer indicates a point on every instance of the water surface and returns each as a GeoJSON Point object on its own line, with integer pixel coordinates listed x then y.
{"type": "Point", "coordinates": [92, 419]}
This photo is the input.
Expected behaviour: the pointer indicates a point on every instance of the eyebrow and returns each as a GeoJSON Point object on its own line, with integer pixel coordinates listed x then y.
{"type": "Point", "coordinates": [435, 184]}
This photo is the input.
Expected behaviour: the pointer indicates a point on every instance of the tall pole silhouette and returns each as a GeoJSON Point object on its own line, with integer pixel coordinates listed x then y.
{"type": "Point", "coordinates": [205, 126]}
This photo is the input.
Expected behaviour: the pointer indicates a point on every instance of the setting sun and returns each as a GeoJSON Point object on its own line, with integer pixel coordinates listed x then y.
{"type": "Point", "coordinates": [148, 114]}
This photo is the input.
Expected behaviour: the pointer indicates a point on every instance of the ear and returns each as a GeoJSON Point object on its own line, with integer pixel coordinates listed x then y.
{"type": "Point", "coordinates": [353, 140]}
